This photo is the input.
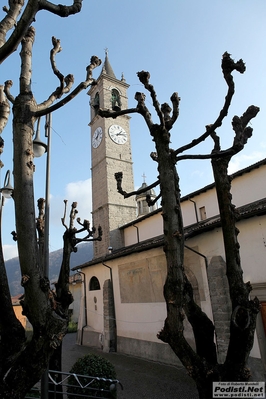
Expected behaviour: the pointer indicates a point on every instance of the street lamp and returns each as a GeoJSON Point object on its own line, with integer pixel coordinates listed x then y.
{"type": "Point", "coordinates": [7, 190]}
{"type": "Point", "coordinates": [39, 148]}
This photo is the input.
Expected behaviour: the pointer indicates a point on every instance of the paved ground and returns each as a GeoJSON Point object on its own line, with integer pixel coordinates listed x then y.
{"type": "Point", "coordinates": [140, 378]}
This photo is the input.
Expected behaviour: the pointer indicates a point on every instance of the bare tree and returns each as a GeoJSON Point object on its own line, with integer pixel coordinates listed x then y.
{"type": "Point", "coordinates": [20, 26]}
{"type": "Point", "coordinates": [201, 364]}
{"type": "Point", "coordinates": [17, 373]}
{"type": "Point", "coordinates": [61, 297]}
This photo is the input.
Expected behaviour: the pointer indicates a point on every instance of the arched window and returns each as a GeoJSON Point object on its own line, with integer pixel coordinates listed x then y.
{"type": "Point", "coordinates": [94, 284]}
{"type": "Point", "coordinates": [115, 99]}
{"type": "Point", "coordinates": [96, 103]}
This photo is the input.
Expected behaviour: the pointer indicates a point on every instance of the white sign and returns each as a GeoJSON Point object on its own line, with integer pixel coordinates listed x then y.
{"type": "Point", "coordinates": [238, 390]}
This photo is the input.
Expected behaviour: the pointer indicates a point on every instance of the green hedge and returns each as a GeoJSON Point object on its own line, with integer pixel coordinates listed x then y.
{"type": "Point", "coordinates": [95, 366]}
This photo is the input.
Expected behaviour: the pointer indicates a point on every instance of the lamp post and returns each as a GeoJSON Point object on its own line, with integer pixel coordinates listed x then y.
{"type": "Point", "coordinates": [6, 192]}
{"type": "Point", "coordinates": [39, 148]}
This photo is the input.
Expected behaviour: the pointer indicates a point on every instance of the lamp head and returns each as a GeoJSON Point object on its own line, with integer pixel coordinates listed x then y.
{"type": "Point", "coordinates": [7, 190]}
{"type": "Point", "coordinates": [39, 148]}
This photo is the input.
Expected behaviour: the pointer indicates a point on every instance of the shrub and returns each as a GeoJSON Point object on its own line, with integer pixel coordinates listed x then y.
{"type": "Point", "coordinates": [95, 366]}
{"type": "Point", "coordinates": [72, 327]}
{"type": "Point", "coordinates": [34, 393]}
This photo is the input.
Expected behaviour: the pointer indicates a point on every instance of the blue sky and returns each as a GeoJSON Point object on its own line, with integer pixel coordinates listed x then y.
{"type": "Point", "coordinates": [181, 44]}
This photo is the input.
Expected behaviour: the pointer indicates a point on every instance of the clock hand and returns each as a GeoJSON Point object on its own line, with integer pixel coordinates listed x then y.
{"type": "Point", "coordinates": [120, 133]}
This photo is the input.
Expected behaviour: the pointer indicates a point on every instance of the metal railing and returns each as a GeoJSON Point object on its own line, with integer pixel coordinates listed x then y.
{"type": "Point", "coordinates": [64, 385]}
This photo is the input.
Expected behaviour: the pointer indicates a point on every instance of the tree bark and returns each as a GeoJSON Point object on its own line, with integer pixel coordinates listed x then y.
{"type": "Point", "coordinates": [244, 310]}
{"type": "Point", "coordinates": [201, 364]}
{"type": "Point", "coordinates": [27, 361]}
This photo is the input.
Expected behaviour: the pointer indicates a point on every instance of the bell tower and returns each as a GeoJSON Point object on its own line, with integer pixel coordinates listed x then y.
{"type": "Point", "coordinates": [110, 153]}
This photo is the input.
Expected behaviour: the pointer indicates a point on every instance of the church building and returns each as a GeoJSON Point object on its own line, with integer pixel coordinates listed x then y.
{"type": "Point", "coordinates": [122, 308]}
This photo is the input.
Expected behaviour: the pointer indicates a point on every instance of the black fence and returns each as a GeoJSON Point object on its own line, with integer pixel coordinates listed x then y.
{"type": "Point", "coordinates": [63, 385]}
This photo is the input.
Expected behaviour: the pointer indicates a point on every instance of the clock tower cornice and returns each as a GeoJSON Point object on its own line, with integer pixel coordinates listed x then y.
{"type": "Point", "coordinates": [111, 80]}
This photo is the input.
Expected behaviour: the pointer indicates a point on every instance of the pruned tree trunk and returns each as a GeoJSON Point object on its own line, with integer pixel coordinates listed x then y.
{"type": "Point", "coordinates": [244, 310]}
{"type": "Point", "coordinates": [22, 363]}
{"type": "Point", "coordinates": [202, 364]}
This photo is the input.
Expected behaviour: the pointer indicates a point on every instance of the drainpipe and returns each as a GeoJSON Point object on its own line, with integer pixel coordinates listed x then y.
{"type": "Point", "coordinates": [198, 253]}
{"type": "Point", "coordinates": [195, 208]}
{"type": "Point", "coordinates": [113, 298]}
{"type": "Point", "coordinates": [85, 303]}
{"type": "Point", "coordinates": [136, 227]}
{"type": "Point", "coordinates": [206, 265]}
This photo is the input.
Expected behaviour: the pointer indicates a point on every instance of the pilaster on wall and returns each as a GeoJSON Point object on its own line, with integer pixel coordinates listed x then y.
{"type": "Point", "coordinates": [221, 305]}
{"type": "Point", "coordinates": [109, 325]}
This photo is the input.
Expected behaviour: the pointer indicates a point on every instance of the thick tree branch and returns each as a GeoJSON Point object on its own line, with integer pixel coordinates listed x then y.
{"type": "Point", "coordinates": [9, 21]}
{"type": "Point", "coordinates": [4, 109]}
{"type": "Point", "coordinates": [28, 16]}
{"type": "Point", "coordinates": [242, 134]}
{"type": "Point", "coordinates": [143, 110]}
{"type": "Point", "coordinates": [22, 27]}
{"type": "Point", "coordinates": [63, 296]}
{"type": "Point", "coordinates": [8, 85]}
{"type": "Point", "coordinates": [228, 66]}
{"type": "Point", "coordinates": [44, 109]}
{"type": "Point", "coordinates": [151, 202]}
{"type": "Point", "coordinates": [72, 231]}
{"type": "Point", "coordinates": [119, 178]}
{"type": "Point", "coordinates": [175, 101]}
{"type": "Point", "coordinates": [144, 78]}
{"type": "Point", "coordinates": [12, 332]}
{"type": "Point", "coordinates": [244, 310]}
{"type": "Point", "coordinates": [40, 226]}
{"type": "Point", "coordinates": [203, 327]}
{"type": "Point", "coordinates": [56, 49]}
{"type": "Point", "coordinates": [59, 9]}
{"type": "Point", "coordinates": [106, 113]}
{"type": "Point", "coordinates": [26, 61]}
{"type": "Point", "coordinates": [90, 236]}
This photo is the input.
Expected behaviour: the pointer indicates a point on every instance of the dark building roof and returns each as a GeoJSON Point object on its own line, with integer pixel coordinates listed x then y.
{"type": "Point", "coordinates": [198, 192]}
{"type": "Point", "coordinates": [233, 176]}
{"type": "Point", "coordinates": [256, 208]}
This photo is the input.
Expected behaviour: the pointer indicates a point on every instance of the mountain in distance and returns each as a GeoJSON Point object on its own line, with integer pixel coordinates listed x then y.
{"type": "Point", "coordinates": [83, 255]}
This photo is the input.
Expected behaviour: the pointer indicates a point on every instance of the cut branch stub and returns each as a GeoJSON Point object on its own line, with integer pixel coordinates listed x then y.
{"type": "Point", "coordinates": [228, 65]}
{"type": "Point", "coordinates": [175, 101]}
{"type": "Point", "coordinates": [41, 217]}
{"type": "Point", "coordinates": [73, 213]}
{"type": "Point", "coordinates": [166, 110]}
{"type": "Point", "coordinates": [56, 49]}
{"type": "Point", "coordinates": [242, 131]}
{"type": "Point", "coordinates": [119, 178]}
{"type": "Point", "coordinates": [4, 109]}
{"type": "Point", "coordinates": [140, 97]}
{"type": "Point", "coordinates": [144, 77]}
{"type": "Point", "coordinates": [94, 62]}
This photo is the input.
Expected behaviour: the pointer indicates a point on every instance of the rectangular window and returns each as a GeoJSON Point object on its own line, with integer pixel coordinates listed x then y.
{"type": "Point", "coordinates": [202, 213]}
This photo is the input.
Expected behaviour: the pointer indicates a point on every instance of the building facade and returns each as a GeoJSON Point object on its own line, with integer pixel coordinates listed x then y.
{"type": "Point", "coordinates": [125, 307]}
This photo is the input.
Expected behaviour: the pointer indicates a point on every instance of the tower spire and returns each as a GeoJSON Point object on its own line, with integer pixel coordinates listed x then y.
{"type": "Point", "coordinates": [107, 69]}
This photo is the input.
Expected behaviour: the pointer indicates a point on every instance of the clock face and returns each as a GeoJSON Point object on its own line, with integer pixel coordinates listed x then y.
{"type": "Point", "coordinates": [117, 134]}
{"type": "Point", "coordinates": [97, 137]}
